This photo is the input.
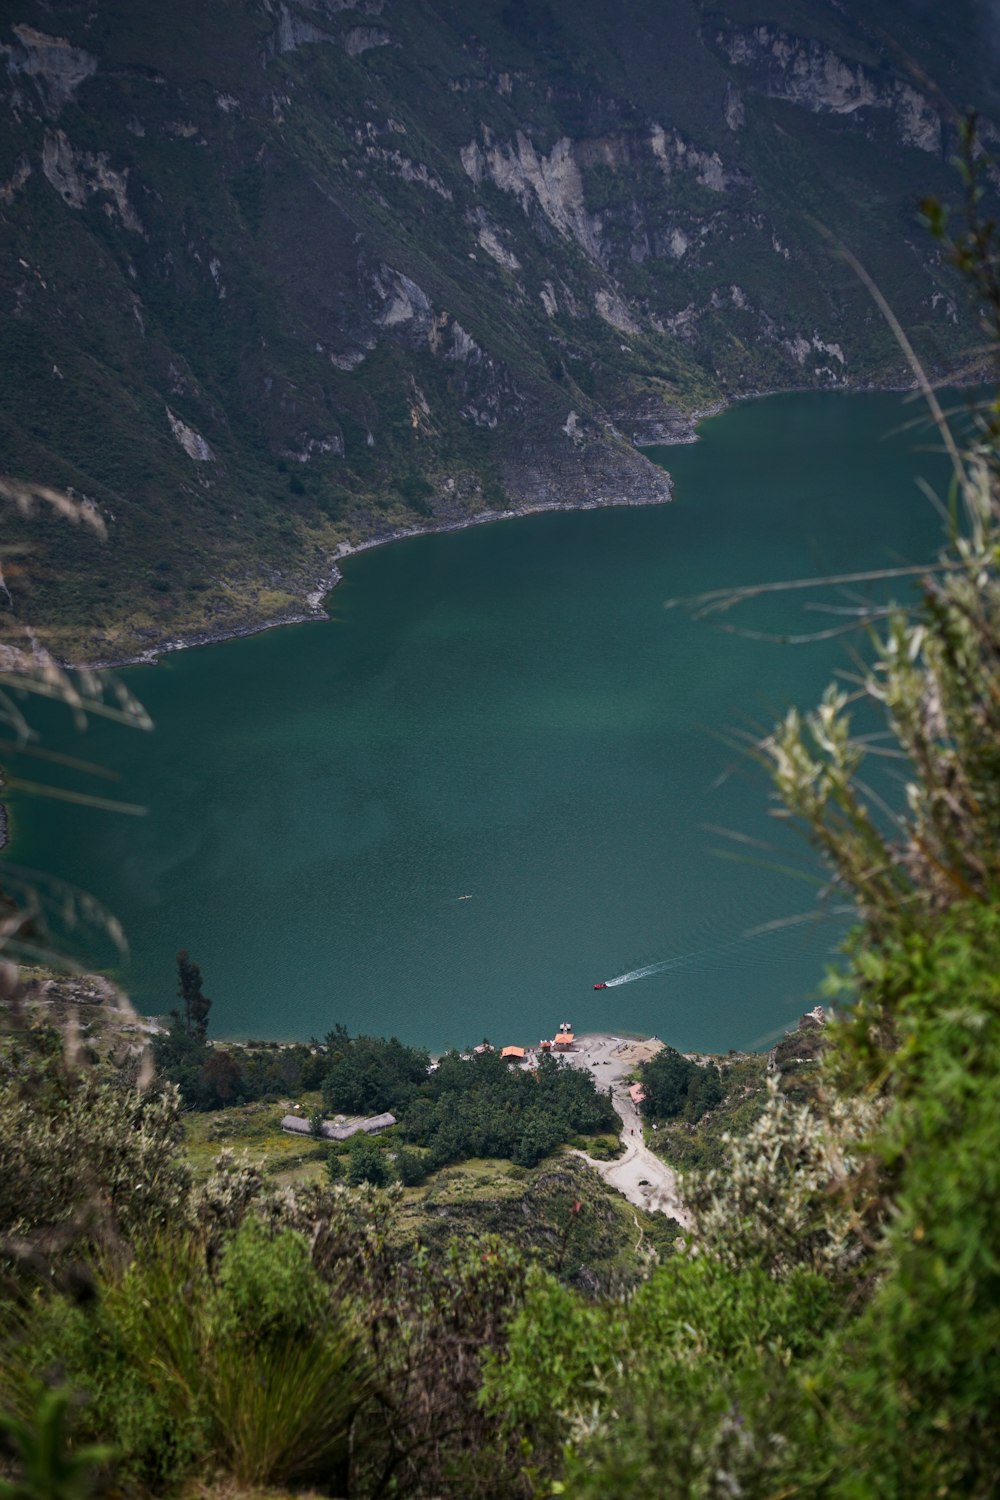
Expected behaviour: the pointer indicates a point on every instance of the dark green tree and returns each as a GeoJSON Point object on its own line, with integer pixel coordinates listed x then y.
{"type": "Point", "coordinates": [704, 1092]}
{"type": "Point", "coordinates": [196, 1005]}
{"type": "Point", "coordinates": [366, 1163]}
{"type": "Point", "coordinates": [371, 1074]}
{"type": "Point", "coordinates": [666, 1079]}
{"type": "Point", "coordinates": [411, 1168]}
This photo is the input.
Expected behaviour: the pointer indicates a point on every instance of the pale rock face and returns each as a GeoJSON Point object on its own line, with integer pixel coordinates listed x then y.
{"type": "Point", "coordinates": [919, 124]}
{"type": "Point", "coordinates": [822, 348]}
{"type": "Point", "coordinates": [191, 441]}
{"type": "Point", "coordinates": [678, 243]}
{"type": "Point", "coordinates": [416, 172]}
{"type": "Point", "coordinates": [56, 68]}
{"type": "Point", "coordinates": [733, 110]}
{"type": "Point", "coordinates": [463, 345]}
{"type": "Point", "coordinates": [293, 31]}
{"type": "Point", "coordinates": [612, 309]}
{"type": "Point", "coordinates": [350, 359]}
{"type": "Point", "coordinates": [683, 324]}
{"type": "Point", "coordinates": [362, 38]}
{"type": "Point", "coordinates": [403, 301]}
{"type": "Point", "coordinates": [79, 175]}
{"type": "Point", "coordinates": [548, 296]}
{"type": "Point", "coordinates": [310, 445]}
{"type": "Point", "coordinates": [554, 182]}
{"type": "Point", "coordinates": [491, 244]}
{"type": "Point", "coordinates": [472, 162]}
{"type": "Point", "coordinates": [805, 72]}
{"type": "Point", "coordinates": [674, 153]}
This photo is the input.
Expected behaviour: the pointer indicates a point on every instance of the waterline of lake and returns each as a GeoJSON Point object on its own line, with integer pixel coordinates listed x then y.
{"type": "Point", "coordinates": [507, 714]}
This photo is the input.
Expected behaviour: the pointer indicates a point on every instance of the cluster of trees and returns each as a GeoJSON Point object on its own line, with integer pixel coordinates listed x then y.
{"type": "Point", "coordinates": [367, 1075]}
{"type": "Point", "coordinates": [211, 1076]}
{"type": "Point", "coordinates": [467, 1106]}
{"type": "Point", "coordinates": [476, 1105]}
{"type": "Point", "coordinates": [378, 1162]}
{"type": "Point", "coordinates": [677, 1088]}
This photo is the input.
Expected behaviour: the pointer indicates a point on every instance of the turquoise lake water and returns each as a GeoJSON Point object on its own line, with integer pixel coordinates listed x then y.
{"type": "Point", "coordinates": [507, 713]}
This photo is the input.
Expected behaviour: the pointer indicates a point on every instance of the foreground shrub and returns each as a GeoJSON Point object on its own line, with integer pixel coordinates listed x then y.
{"type": "Point", "coordinates": [644, 1398]}
{"type": "Point", "coordinates": [84, 1157]}
{"type": "Point", "coordinates": [789, 1192]}
{"type": "Point", "coordinates": [251, 1373]}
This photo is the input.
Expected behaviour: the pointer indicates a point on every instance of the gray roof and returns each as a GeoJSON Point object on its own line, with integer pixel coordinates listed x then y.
{"type": "Point", "coordinates": [296, 1125]}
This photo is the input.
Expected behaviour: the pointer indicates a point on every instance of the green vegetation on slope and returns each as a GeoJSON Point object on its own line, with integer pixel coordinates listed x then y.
{"type": "Point", "coordinates": [837, 1333]}
{"type": "Point", "coordinates": [720, 1099]}
{"type": "Point", "coordinates": [281, 276]}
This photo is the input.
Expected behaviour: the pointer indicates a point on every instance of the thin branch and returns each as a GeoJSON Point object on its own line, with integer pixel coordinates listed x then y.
{"type": "Point", "coordinates": [721, 599]}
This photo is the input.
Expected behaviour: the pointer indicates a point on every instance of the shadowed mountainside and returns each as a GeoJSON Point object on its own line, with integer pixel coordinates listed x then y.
{"type": "Point", "coordinates": [279, 274]}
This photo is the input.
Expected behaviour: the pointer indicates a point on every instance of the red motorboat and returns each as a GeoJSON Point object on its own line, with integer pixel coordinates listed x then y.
{"type": "Point", "coordinates": [601, 986]}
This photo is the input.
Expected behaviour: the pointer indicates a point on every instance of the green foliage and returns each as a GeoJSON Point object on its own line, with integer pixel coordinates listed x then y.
{"type": "Point", "coordinates": [411, 1167]}
{"type": "Point", "coordinates": [211, 1076]}
{"type": "Point", "coordinates": [268, 1288]}
{"type": "Point", "coordinates": [369, 1075]}
{"type": "Point", "coordinates": [700, 1145]}
{"type": "Point", "coordinates": [469, 1106]}
{"type": "Point", "coordinates": [923, 1360]}
{"type": "Point", "coordinates": [196, 1004]}
{"type": "Point", "coordinates": [667, 1078]}
{"type": "Point", "coordinates": [256, 1362]}
{"type": "Point", "coordinates": [481, 1106]}
{"type": "Point", "coordinates": [639, 1399]}
{"type": "Point", "coordinates": [83, 1156]}
{"type": "Point", "coordinates": [367, 1162]}
{"type": "Point", "coordinates": [49, 1469]}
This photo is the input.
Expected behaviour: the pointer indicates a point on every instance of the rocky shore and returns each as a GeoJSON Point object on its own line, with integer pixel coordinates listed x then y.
{"type": "Point", "coordinates": [313, 599]}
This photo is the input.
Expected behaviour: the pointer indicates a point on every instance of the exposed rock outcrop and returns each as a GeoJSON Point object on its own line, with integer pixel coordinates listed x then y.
{"type": "Point", "coordinates": [51, 64]}
{"type": "Point", "coordinates": [808, 73]}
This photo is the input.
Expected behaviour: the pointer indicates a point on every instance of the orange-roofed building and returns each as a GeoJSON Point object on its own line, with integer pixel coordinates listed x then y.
{"type": "Point", "coordinates": [637, 1093]}
{"type": "Point", "coordinates": [564, 1039]}
{"type": "Point", "coordinates": [517, 1053]}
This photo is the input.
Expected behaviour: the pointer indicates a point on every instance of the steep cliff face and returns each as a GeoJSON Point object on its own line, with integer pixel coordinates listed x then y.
{"type": "Point", "coordinates": [287, 272]}
{"type": "Point", "coordinates": [808, 73]}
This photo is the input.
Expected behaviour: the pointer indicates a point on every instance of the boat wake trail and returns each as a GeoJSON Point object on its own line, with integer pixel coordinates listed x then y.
{"type": "Point", "coordinates": [702, 957]}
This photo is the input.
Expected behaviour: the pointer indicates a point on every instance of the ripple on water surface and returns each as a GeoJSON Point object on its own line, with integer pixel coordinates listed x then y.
{"type": "Point", "coordinates": [507, 713]}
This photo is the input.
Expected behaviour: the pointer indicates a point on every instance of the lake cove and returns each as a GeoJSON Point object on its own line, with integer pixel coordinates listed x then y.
{"type": "Point", "coordinates": [508, 714]}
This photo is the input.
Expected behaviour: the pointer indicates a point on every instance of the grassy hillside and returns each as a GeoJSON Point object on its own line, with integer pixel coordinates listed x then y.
{"type": "Point", "coordinates": [282, 275]}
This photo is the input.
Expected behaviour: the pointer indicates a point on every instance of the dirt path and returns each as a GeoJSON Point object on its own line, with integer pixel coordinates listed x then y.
{"type": "Point", "coordinates": [639, 1174]}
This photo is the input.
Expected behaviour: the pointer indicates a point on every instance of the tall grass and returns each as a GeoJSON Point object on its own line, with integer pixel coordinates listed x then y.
{"type": "Point", "coordinates": [269, 1405]}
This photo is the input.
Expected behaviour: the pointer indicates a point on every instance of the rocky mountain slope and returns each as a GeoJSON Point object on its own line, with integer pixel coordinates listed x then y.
{"type": "Point", "coordinates": [278, 274]}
